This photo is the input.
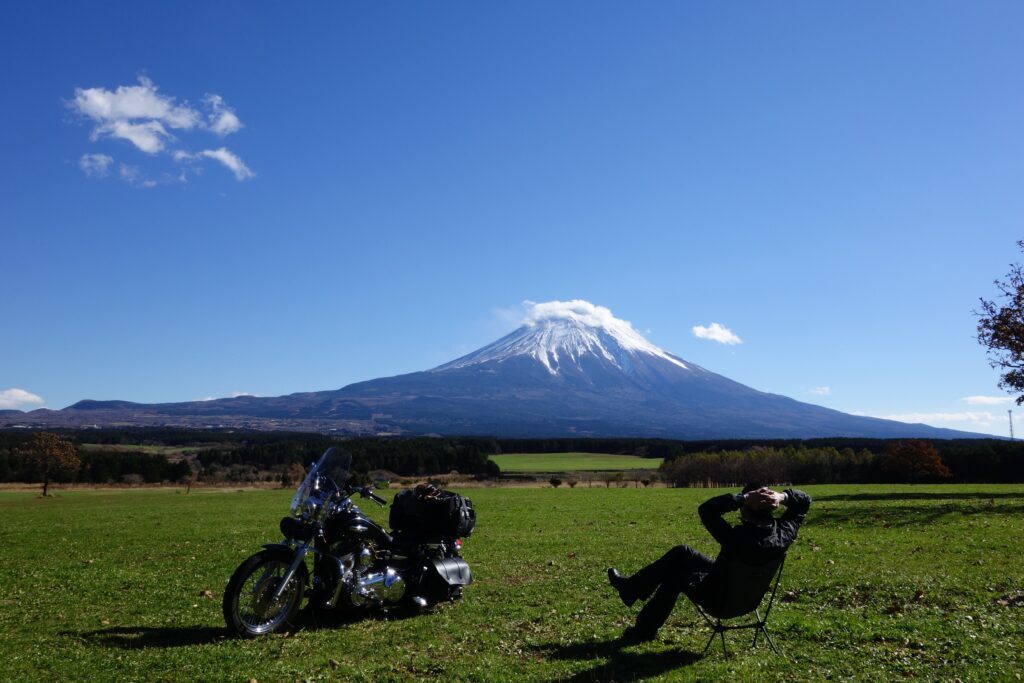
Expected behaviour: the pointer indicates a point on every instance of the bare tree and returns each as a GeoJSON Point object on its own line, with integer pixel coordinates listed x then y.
{"type": "Point", "coordinates": [1001, 330]}
{"type": "Point", "coordinates": [49, 454]}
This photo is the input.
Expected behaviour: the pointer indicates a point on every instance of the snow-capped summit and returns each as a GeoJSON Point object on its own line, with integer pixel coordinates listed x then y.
{"type": "Point", "coordinates": [562, 333]}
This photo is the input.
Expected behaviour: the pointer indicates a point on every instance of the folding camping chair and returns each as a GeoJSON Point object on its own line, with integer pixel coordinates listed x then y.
{"type": "Point", "coordinates": [745, 587]}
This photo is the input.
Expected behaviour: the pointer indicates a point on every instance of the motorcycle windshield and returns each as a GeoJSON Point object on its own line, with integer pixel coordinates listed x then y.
{"type": "Point", "coordinates": [334, 465]}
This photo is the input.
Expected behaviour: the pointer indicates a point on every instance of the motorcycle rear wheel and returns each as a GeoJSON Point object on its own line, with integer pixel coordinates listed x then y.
{"type": "Point", "coordinates": [249, 607]}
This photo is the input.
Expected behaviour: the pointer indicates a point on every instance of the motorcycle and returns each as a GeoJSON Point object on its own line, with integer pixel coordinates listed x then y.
{"type": "Point", "coordinates": [356, 564]}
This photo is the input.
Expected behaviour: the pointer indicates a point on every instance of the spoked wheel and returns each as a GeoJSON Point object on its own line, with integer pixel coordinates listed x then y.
{"type": "Point", "coordinates": [249, 606]}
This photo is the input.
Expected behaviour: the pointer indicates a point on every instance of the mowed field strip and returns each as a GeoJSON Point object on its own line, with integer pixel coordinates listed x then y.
{"type": "Point", "coordinates": [572, 462]}
{"type": "Point", "coordinates": [884, 583]}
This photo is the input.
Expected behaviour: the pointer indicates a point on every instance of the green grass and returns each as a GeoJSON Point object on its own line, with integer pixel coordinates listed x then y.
{"type": "Point", "coordinates": [885, 583]}
{"type": "Point", "coordinates": [169, 451]}
{"type": "Point", "coordinates": [572, 462]}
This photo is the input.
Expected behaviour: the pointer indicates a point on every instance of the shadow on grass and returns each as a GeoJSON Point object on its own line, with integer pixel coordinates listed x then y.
{"type": "Point", "coordinates": [921, 495]}
{"type": "Point", "coordinates": [310, 619]}
{"type": "Point", "coordinates": [142, 637]}
{"type": "Point", "coordinates": [618, 665]}
{"type": "Point", "coordinates": [904, 511]}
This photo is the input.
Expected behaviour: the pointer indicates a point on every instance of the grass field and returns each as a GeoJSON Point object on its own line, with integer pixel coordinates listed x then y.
{"type": "Point", "coordinates": [572, 462]}
{"type": "Point", "coordinates": [172, 452]}
{"type": "Point", "coordinates": [885, 583]}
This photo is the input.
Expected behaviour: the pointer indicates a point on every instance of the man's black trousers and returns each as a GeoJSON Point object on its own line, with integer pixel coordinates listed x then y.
{"type": "Point", "coordinates": [681, 570]}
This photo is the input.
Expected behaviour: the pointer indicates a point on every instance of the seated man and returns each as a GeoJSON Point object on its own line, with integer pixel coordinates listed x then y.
{"type": "Point", "coordinates": [759, 539]}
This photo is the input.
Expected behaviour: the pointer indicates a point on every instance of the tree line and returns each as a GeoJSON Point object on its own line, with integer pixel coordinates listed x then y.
{"type": "Point", "coordinates": [239, 456]}
{"type": "Point", "coordinates": [891, 461]}
{"type": "Point", "coordinates": [45, 457]}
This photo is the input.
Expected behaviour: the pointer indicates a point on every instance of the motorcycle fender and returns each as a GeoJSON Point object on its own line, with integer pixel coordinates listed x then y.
{"type": "Point", "coordinates": [279, 546]}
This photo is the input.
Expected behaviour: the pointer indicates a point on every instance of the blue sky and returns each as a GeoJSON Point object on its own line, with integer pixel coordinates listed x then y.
{"type": "Point", "coordinates": [203, 199]}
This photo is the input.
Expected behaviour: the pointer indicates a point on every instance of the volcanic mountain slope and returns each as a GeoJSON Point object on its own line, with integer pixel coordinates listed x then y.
{"type": "Point", "coordinates": [572, 369]}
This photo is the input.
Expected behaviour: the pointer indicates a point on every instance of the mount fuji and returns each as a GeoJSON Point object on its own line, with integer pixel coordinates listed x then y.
{"type": "Point", "coordinates": [570, 369]}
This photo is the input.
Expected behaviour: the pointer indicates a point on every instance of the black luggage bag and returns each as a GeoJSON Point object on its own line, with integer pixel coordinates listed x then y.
{"type": "Point", "coordinates": [427, 511]}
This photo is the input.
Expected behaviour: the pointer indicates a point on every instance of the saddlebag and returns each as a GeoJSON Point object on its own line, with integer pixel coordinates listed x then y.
{"type": "Point", "coordinates": [426, 511]}
{"type": "Point", "coordinates": [454, 571]}
{"type": "Point", "coordinates": [445, 578]}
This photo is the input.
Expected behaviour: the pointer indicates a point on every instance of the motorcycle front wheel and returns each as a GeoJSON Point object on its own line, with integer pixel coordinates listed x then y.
{"type": "Point", "coordinates": [250, 609]}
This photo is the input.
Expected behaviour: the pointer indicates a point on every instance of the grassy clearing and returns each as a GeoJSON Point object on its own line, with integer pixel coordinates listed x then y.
{"type": "Point", "coordinates": [169, 451]}
{"type": "Point", "coordinates": [573, 462]}
{"type": "Point", "coordinates": [885, 583]}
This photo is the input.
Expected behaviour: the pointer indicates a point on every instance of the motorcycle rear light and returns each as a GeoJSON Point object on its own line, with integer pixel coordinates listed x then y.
{"type": "Point", "coordinates": [458, 544]}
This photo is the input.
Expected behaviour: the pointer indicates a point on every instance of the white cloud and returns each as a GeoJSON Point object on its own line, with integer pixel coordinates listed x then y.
{"type": "Point", "coordinates": [134, 102]}
{"type": "Point", "coordinates": [236, 394]}
{"type": "Point", "coordinates": [222, 118]}
{"type": "Point", "coordinates": [136, 113]}
{"type": "Point", "coordinates": [143, 116]}
{"type": "Point", "coordinates": [230, 160]}
{"type": "Point", "coordinates": [716, 332]}
{"type": "Point", "coordinates": [981, 419]}
{"type": "Point", "coordinates": [95, 165]}
{"type": "Point", "coordinates": [148, 136]}
{"type": "Point", "coordinates": [18, 399]}
{"type": "Point", "coordinates": [820, 391]}
{"type": "Point", "coordinates": [577, 309]}
{"type": "Point", "coordinates": [988, 400]}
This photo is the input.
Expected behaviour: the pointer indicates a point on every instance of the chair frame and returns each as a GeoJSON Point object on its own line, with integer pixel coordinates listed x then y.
{"type": "Point", "coordinates": [719, 628]}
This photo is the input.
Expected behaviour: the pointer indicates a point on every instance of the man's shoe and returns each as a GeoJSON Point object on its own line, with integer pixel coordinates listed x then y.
{"type": "Point", "coordinates": [633, 636]}
{"type": "Point", "coordinates": [618, 582]}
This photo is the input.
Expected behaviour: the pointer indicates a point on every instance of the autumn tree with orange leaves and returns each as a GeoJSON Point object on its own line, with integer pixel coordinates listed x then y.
{"type": "Point", "coordinates": [913, 462]}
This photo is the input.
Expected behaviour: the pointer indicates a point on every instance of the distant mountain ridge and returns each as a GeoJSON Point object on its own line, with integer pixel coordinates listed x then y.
{"type": "Point", "coordinates": [571, 369]}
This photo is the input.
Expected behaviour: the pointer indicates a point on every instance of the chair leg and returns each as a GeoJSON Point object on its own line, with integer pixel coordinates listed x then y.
{"type": "Point", "coordinates": [760, 625]}
{"type": "Point", "coordinates": [769, 639]}
{"type": "Point", "coordinates": [725, 653]}
{"type": "Point", "coordinates": [710, 640]}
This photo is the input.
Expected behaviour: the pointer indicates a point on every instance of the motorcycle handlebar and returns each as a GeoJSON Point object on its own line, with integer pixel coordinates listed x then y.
{"type": "Point", "coordinates": [368, 493]}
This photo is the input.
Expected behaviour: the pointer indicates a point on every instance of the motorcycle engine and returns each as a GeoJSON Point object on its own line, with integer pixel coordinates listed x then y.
{"type": "Point", "coordinates": [377, 588]}
{"type": "Point", "coordinates": [367, 585]}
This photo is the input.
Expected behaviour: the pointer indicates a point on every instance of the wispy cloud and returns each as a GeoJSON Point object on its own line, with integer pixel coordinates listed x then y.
{"type": "Point", "coordinates": [154, 123]}
{"type": "Point", "coordinates": [222, 118]}
{"type": "Point", "coordinates": [820, 391]}
{"type": "Point", "coordinates": [980, 418]}
{"type": "Point", "coordinates": [233, 163]}
{"type": "Point", "coordinates": [717, 333]}
{"type": "Point", "coordinates": [988, 400]}
{"type": "Point", "coordinates": [96, 165]}
{"type": "Point", "coordinates": [19, 399]}
{"type": "Point", "coordinates": [134, 177]}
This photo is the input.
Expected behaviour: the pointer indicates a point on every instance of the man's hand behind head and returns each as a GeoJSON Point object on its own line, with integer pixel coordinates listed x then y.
{"type": "Point", "coordinates": [763, 500]}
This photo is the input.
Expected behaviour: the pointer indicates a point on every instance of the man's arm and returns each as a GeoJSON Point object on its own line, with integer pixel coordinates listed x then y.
{"type": "Point", "coordinates": [711, 512]}
{"type": "Point", "coordinates": [797, 504]}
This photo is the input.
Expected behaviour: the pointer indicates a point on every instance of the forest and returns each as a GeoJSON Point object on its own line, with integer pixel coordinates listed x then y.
{"type": "Point", "coordinates": [114, 456]}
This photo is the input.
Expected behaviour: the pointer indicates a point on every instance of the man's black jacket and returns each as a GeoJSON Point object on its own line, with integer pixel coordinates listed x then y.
{"type": "Point", "coordinates": [754, 543]}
